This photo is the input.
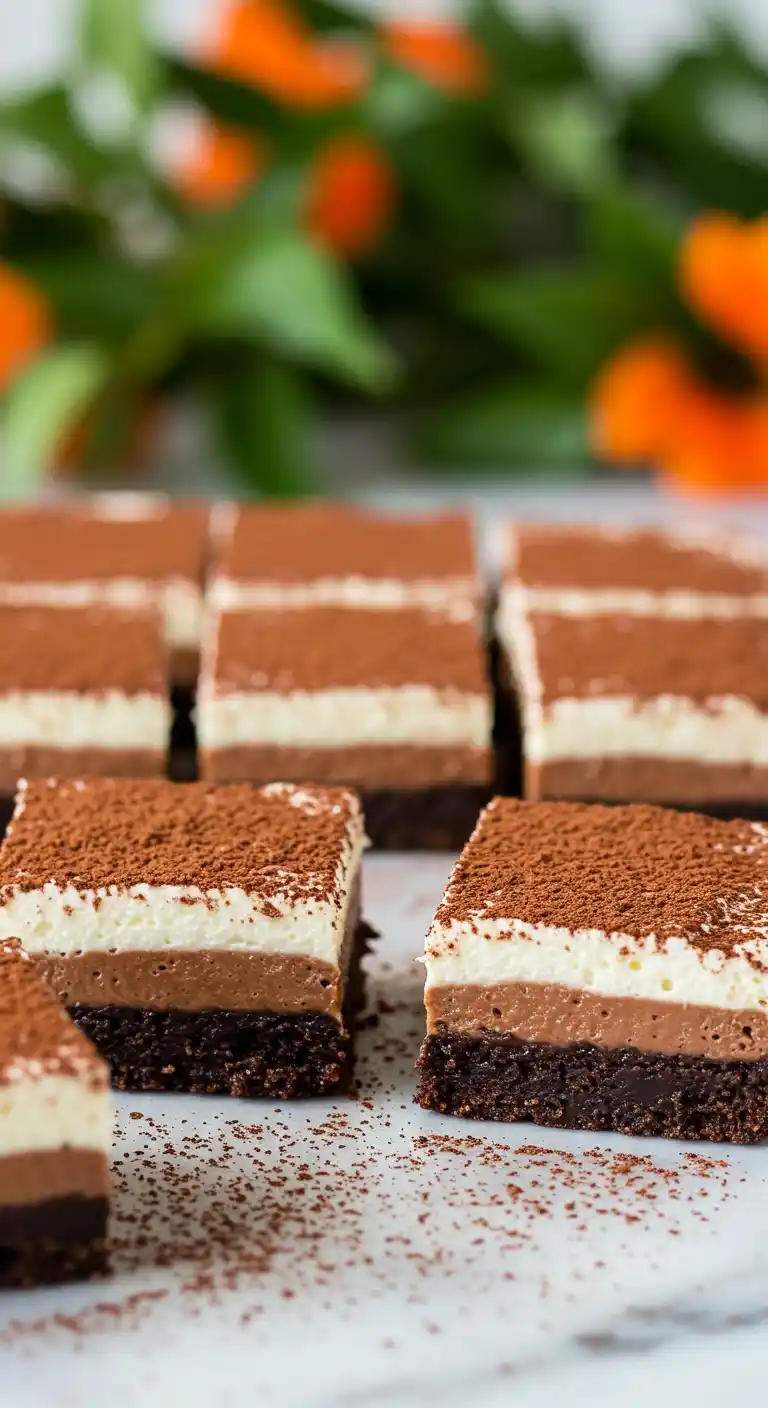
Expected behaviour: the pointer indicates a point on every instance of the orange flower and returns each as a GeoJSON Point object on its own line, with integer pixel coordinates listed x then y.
{"type": "Point", "coordinates": [442, 54]}
{"type": "Point", "coordinates": [265, 43]}
{"type": "Point", "coordinates": [221, 167]}
{"type": "Point", "coordinates": [648, 404]}
{"type": "Point", "coordinates": [723, 272]}
{"type": "Point", "coordinates": [25, 323]}
{"type": "Point", "coordinates": [635, 400]}
{"type": "Point", "coordinates": [719, 443]}
{"type": "Point", "coordinates": [351, 196]}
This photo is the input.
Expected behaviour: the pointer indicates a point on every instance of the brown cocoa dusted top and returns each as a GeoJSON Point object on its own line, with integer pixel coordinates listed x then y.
{"type": "Point", "coordinates": [644, 657]}
{"type": "Point", "coordinates": [81, 650]}
{"type": "Point", "coordinates": [36, 1036]}
{"type": "Point", "coordinates": [76, 544]}
{"type": "Point", "coordinates": [303, 542]}
{"type": "Point", "coordinates": [635, 870]}
{"type": "Point", "coordinates": [115, 832]}
{"type": "Point", "coordinates": [336, 647]}
{"type": "Point", "coordinates": [642, 560]}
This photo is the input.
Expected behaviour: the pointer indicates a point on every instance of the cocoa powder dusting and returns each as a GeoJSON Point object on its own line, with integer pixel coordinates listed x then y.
{"type": "Point", "coordinates": [636, 870]}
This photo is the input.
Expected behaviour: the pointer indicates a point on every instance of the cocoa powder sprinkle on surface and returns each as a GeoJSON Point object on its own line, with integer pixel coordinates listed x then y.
{"type": "Point", "coordinates": [584, 558]}
{"type": "Point", "coordinates": [635, 870]}
{"type": "Point", "coordinates": [113, 833]}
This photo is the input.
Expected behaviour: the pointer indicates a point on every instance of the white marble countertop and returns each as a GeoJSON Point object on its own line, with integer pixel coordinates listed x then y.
{"type": "Point", "coordinates": [335, 1254]}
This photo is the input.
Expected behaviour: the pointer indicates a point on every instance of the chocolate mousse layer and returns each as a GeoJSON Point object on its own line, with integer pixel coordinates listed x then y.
{"type": "Point", "coordinates": [46, 1174]}
{"type": "Point", "coordinates": [172, 980]}
{"type": "Point", "coordinates": [378, 765]}
{"type": "Point", "coordinates": [559, 1015]}
{"type": "Point", "coordinates": [34, 760]}
{"type": "Point", "coordinates": [670, 780]}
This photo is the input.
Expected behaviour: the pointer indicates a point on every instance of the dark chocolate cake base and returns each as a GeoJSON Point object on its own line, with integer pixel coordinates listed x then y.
{"type": "Point", "coordinates": [282, 1056]}
{"type": "Point", "coordinates": [423, 818]}
{"type": "Point", "coordinates": [495, 1077]}
{"type": "Point", "coordinates": [45, 1244]}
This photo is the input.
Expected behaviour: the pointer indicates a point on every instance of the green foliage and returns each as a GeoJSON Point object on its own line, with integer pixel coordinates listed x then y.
{"type": "Point", "coordinates": [535, 231]}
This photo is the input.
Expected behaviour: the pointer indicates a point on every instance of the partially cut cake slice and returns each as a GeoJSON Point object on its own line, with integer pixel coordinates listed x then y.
{"type": "Point", "coordinates": [603, 968]}
{"type": "Point", "coordinates": [55, 1133]}
{"type": "Point", "coordinates": [207, 938]}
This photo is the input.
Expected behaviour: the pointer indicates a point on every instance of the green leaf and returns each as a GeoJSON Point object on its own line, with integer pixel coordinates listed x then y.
{"type": "Point", "coordinates": [633, 235]}
{"type": "Point", "coordinates": [98, 296]}
{"type": "Point", "coordinates": [289, 295]}
{"type": "Point", "coordinates": [506, 426]}
{"type": "Point", "coordinates": [46, 119]}
{"type": "Point", "coordinates": [567, 138]}
{"type": "Point", "coordinates": [265, 421]}
{"type": "Point", "coordinates": [566, 320]}
{"type": "Point", "coordinates": [114, 38]}
{"type": "Point", "coordinates": [41, 406]}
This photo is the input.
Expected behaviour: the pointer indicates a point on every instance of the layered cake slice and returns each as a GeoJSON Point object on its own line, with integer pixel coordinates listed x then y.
{"type": "Point", "coordinates": [82, 691]}
{"type": "Point", "coordinates": [206, 938]}
{"type": "Point", "coordinates": [395, 703]}
{"type": "Point", "coordinates": [632, 708]}
{"type": "Point", "coordinates": [112, 550]}
{"type": "Point", "coordinates": [55, 1134]}
{"type": "Point", "coordinates": [603, 968]}
{"type": "Point", "coordinates": [586, 571]}
{"type": "Point", "coordinates": [332, 554]}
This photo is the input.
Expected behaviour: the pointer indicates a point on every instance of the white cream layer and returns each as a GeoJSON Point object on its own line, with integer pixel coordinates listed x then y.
{"type": "Point", "coordinates": [726, 729]}
{"type": "Point", "coordinates": [608, 965]}
{"type": "Point", "coordinates": [179, 601]}
{"type": "Point", "coordinates": [385, 593]}
{"type": "Point", "coordinates": [147, 918]}
{"type": "Point", "coordinates": [53, 1111]}
{"type": "Point", "coordinates": [412, 713]}
{"type": "Point", "coordinates": [60, 719]}
{"type": "Point", "coordinates": [679, 605]}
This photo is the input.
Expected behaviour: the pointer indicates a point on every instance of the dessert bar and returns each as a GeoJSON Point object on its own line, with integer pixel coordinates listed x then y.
{"type": "Point", "coordinates": [393, 702]}
{"type": "Point", "coordinates": [636, 708]}
{"type": "Point", "coordinates": [207, 938]}
{"type": "Point", "coordinates": [82, 691]}
{"type": "Point", "coordinates": [55, 1134]}
{"type": "Point", "coordinates": [586, 571]}
{"type": "Point", "coordinates": [280, 555]}
{"type": "Point", "coordinates": [603, 968]}
{"type": "Point", "coordinates": [112, 550]}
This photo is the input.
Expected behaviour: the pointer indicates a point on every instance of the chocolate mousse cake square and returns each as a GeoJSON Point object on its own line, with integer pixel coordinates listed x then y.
{"type": "Point", "coordinates": [603, 968]}
{"type": "Point", "coordinates": [55, 1134]}
{"type": "Point", "coordinates": [585, 571]}
{"type": "Point", "coordinates": [126, 551]}
{"type": "Point", "coordinates": [637, 708]}
{"type": "Point", "coordinates": [395, 703]}
{"type": "Point", "coordinates": [206, 938]}
{"type": "Point", "coordinates": [334, 554]}
{"type": "Point", "coordinates": [82, 691]}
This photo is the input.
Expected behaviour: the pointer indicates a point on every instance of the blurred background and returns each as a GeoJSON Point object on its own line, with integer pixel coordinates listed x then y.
{"type": "Point", "coordinates": [286, 248]}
